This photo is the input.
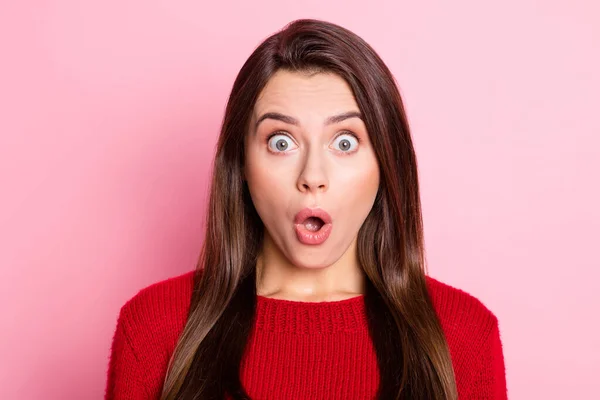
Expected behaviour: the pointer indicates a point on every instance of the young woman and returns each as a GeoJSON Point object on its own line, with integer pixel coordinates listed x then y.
{"type": "Point", "coordinates": [311, 282]}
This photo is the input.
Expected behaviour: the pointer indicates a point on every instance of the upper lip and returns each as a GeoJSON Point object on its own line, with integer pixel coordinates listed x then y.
{"type": "Point", "coordinates": [312, 212]}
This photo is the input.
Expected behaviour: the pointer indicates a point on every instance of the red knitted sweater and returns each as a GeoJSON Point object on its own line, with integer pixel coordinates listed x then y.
{"type": "Point", "coordinates": [300, 350]}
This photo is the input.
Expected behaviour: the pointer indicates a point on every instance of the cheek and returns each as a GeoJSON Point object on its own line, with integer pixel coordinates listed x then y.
{"type": "Point", "coordinates": [359, 180]}
{"type": "Point", "coordinates": [369, 177]}
{"type": "Point", "coordinates": [269, 177]}
{"type": "Point", "coordinates": [356, 191]}
{"type": "Point", "coordinates": [268, 189]}
{"type": "Point", "coordinates": [365, 192]}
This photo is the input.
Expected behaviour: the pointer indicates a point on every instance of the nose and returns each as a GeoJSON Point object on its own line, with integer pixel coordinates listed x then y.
{"type": "Point", "coordinates": [313, 176]}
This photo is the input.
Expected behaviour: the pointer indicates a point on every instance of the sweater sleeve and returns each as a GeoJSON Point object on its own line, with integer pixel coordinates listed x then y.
{"type": "Point", "coordinates": [124, 380]}
{"type": "Point", "coordinates": [490, 376]}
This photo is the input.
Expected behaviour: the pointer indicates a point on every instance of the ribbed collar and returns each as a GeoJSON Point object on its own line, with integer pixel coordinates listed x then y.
{"type": "Point", "coordinates": [299, 317]}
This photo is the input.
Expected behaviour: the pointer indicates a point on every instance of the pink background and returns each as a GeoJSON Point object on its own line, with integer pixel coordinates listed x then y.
{"type": "Point", "coordinates": [109, 111]}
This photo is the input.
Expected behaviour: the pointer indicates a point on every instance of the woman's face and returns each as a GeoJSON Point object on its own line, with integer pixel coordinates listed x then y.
{"type": "Point", "coordinates": [310, 167]}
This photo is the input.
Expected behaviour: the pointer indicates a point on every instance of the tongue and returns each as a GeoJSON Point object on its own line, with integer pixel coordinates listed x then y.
{"type": "Point", "coordinates": [313, 224]}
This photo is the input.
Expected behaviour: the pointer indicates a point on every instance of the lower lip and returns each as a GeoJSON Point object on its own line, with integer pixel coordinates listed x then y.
{"type": "Point", "coordinates": [312, 238]}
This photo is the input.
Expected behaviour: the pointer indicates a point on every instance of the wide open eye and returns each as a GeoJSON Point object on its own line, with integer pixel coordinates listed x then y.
{"type": "Point", "coordinates": [280, 143]}
{"type": "Point", "coordinates": [346, 143]}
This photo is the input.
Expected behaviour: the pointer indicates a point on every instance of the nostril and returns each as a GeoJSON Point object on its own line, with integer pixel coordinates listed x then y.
{"type": "Point", "coordinates": [309, 187]}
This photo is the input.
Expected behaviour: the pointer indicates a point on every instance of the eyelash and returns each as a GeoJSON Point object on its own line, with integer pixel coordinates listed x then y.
{"type": "Point", "coordinates": [277, 133]}
{"type": "Point", "coordinates": [347, 153]}
{"type": "Point", "coordinates": [348, 133]}
{"type": "Point", "coordinates": [359, 140]}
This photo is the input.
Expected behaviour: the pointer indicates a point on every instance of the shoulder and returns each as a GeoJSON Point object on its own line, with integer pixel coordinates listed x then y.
{"type": "Point", "coordinates": [148, 328]}
{"type": "Point", "coordinates": [473, 336]}
{"type": "Point", "coordinates": [162, 294]}
{"type": "Point", "coordinates": [466, 321]}
{"type": "Point", "coordinates": [155, 316]}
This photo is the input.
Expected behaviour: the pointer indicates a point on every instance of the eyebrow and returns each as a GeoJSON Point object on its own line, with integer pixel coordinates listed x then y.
{"type": "Point", "coordinates": [334, 119]}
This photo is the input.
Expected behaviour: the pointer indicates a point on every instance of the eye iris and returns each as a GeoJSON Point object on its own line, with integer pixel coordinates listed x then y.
{"type": "Point", "coordinates": [345, 144]}
{"type": "Point", "coordinates": [281, 144]}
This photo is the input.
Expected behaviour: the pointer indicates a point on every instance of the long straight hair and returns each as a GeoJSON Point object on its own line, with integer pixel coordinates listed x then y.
{"type": "Point", "coordinates": [412, 353]}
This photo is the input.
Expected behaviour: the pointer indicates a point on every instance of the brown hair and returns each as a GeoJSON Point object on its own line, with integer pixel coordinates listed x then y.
{"type": "Point", "coordinates": [412, 353]}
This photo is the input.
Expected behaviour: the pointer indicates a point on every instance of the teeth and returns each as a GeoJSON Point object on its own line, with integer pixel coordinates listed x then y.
{"type": "Point", "coordinates": [313, 224]}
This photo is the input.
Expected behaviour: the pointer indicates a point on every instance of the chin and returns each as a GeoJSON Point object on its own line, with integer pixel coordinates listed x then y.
{"type": "Point", "coordinates": [309, 265]}
{"type": "Point", "coordinates": [311, 261]}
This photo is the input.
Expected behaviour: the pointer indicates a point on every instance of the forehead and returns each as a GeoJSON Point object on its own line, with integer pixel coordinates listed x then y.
{"type": "Point", "coordinates": [300, 92]}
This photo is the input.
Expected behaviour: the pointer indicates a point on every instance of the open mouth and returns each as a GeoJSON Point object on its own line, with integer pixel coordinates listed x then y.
{"type": "Point", "coordinates": [313, 226]}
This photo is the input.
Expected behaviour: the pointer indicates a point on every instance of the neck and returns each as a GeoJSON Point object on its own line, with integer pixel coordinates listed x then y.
{"type": "Point", "coordinates": [278, 278]}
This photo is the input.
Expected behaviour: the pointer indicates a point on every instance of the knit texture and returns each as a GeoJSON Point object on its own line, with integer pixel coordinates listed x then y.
{"type": "Point", "coordinates": [300, 350]}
